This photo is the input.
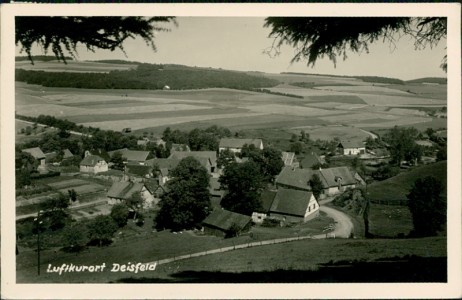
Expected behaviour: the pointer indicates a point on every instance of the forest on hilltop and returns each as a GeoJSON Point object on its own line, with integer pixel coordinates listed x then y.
{"type": "Point", "coordinates": [148, 76]}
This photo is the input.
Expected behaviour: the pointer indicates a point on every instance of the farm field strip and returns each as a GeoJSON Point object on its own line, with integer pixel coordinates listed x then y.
{"type": "Point", "coordinates": [329, 132]}
{"type": "Point", "coordinates": [316, 79]}
{"type": "Point", "coordinates": [387, 100]}
{"type": "Point", "coordinates": [151, 115]}
{"type": "Point", "coordinates": [72, 66]}
{"type": "Point", "coordinates": [372, 89]}
{"type": "Point", "coordinates": [386, 124]}
{"type": "Point", "coordinates": [304, 92]}
{"type": "Point", "coordinates": [145, 123]}
{"type": "Point", "coordinates": [67, 111]}
{"type": "Point", "coordinates": [292, 110]}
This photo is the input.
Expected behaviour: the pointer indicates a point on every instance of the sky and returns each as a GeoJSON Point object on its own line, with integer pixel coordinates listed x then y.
{"type": "Point", "coordinates": [237, 43]}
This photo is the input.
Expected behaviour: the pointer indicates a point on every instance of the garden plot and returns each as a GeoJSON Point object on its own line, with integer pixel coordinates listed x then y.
{"type": "Point", "coordinates": [67, 183]}
{"type": "Point", "coordinates": [84, 189]}
{"type": "Point", "coordinates": [292, 110]}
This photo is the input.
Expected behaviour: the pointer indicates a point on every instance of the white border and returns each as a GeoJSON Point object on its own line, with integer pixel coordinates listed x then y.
{"type": "Point", "coordinates": [10, 289]}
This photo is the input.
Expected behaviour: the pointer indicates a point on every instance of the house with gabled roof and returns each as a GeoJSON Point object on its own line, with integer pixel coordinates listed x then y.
{"type": "Point", "coordinates": [235, 145]}
{"type": "Point", "coordinates": [266, 200]}
{"type": "Point", "coordinates": [221, 222]}
{"type": "Point", "coordinates": [294, 178]}
{"type": "Point", "coordinates": [334, 180]}
{"type": "Point", "coordinates": [120, 191]}
{"type": "Point", "coordinates": [164, 166]}
{"type": "Point", "coordinates": [133, 156]}
{"type": "Point", "coordinates": [311, 160]}
{"type": "Point", "coordinates": [351, 147]}
{"type": "Point", "coordinates": [36, 153]}
{"type": "Point", "coordinates": [207, 159]}
{"type": "Point", "coordinates": [93, 164]}
{"type": "Point", "coordinates": [294, 206]}
{"type": "Point", "coordinates": [289, 159]}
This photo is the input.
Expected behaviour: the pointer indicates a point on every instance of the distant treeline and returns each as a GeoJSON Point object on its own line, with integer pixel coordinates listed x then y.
{"type": "Point", "coordinates": [116, 61]}
{"type": "Point", "coordinates": [40, 58]}
{"type": "Point", "coordinates": [148, 76]}
{"type": "Point", "coordinates": [63, 125]}
{"type": "Point", "coordinates": [438, 80]}
{"type": "Point", "coordinates": [374, 79]}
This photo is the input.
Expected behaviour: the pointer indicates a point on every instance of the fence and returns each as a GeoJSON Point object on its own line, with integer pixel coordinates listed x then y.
{"type": "Point", "coordinates": [230, 248]}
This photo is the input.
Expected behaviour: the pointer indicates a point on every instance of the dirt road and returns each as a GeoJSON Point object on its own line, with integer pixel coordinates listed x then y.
{"type": "Point", "coordinates": [343, 224]}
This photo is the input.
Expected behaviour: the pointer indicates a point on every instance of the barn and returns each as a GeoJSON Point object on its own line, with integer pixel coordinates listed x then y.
{"type": "Point", "coordinates": [221, 222]}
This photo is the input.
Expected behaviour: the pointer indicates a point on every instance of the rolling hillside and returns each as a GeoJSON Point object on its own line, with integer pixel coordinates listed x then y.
{"type": "Point", "coordinates": [397, 187]}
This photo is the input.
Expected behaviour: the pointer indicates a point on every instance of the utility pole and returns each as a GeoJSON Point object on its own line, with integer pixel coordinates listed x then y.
{"type": "Point", "coordinates": [38, 241]}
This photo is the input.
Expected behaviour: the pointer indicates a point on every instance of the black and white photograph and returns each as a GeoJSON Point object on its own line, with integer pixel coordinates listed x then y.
{"type": "Point", "coordinates": [302, 151]}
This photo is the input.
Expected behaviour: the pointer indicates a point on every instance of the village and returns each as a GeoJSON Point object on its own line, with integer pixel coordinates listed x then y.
{"type": "Point", "coordinates": [290, 196]}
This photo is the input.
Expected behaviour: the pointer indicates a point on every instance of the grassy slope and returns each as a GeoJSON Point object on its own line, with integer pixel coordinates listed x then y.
{"type": "Point", "coordinates": [310, 261]}
{"type": "Point", "coordinates": [397, 187]}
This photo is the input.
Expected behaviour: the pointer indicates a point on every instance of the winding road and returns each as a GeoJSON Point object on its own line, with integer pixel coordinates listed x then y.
{"type": "Point", "coordinates": [343, 224]}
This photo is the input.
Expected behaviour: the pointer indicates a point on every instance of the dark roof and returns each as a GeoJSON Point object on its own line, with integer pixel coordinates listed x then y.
{"type": "Point", "coordinates": [167, 163]}
{"type": "Point", "coordinates": [224, 219]}
{"type": "Point", "coordinates": [138, 169]}
{"type": "Point", "coordinates": [267, 198]}
{"type": "Point", "coordinates": [297, 178]}
{"type": "Point", "coordinates": [199, 155]}
{"type": "Point", "coordinates": [239, 143]}
{"type": "Point", "coordinates": [124, 189]}
{"type": "Point", "coordinates": [132, 155]}
{"type": "Point", "coordinates": [67, 153]}
{"type": "Point", "coordinates": [310, 160]}
{"type": "Point", "coordinates": [291, 202]}
{"type": "Point", "coordinates": [51, 155]}
{"type": "Point", "coordinates": [331, 176]}
{"type": "Point", "coordinates": [352, 144]}
{"type": "Point", "coordinates": [36, 152]}
{"type": "Point", "coordinates": [91, 160]}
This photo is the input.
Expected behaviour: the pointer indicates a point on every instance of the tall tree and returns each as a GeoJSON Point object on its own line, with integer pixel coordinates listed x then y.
{"type": "Point", "coordinates": [101, 229]}
{"type": "Point", "coordinates": [75, 236]}
{"type": "Point", "coordinates": [272, 163]}
{"type": "Point", "coordinates": [66, 33]}
{"type": "Point", "coordinates": [427, 206]}
{"type": "Point", "coordinates": [118, 161]}
{"type": "Point", "coordinates": [187, 201]}
{"type": "Point", "coordinates": [119, 213]}
{"type": "Point", "coordinates": [135, 202]}
{"type": "Point", "coordinates": [402, 144]}
{"type": "Point", "coordinates": [244, 183]}
{"type": "Point", "coordinates": [316, 185]}
{"type": "Point", "coordinates": [316, 37]}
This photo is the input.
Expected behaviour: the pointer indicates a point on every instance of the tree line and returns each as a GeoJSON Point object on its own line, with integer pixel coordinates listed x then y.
{"type": "Point", "coordinates": [148, 76]}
